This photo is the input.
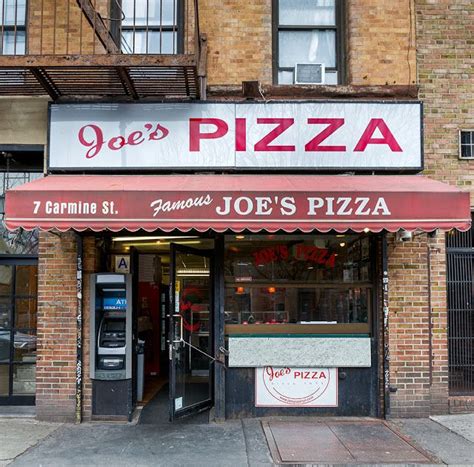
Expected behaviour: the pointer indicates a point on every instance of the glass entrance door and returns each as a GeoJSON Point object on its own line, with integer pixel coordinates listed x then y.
{"type": "Point", "coordinates": [190, 335]}
{"type": "Point", "coordinates": [18, 301]}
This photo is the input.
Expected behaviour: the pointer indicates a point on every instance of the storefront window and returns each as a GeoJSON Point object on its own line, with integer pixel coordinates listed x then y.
{"type": "Point", "coordinates": [298, 280]}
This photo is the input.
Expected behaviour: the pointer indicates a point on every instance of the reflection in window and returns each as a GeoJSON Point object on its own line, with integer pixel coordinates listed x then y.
{"type": "Point", "coordinates": [4, 346]}
{"type": "Point", "coordinates": [12, 27]}
{"type": "Point", "coordinates": [24, 379]}
{"type": "Point", "coordinates": [5, 312]}
{"type": "Point", "coordinates": [19, 241]}
{"type": "Point", "coordinates": [26, 280]}
{"type": "Point", "coordinates": [25, 313]}
{"type": "Point", "coordinates": [299, 279]}
{"type": "Point", "coordinates": [25, 347]}
{"type": "Point", "coordinates": [149, 26]}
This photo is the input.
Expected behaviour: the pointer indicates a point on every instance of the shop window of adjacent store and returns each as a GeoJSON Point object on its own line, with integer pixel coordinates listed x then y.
{"type": "Point", "coordinates": [298, 283]}
{"type": "Point", "coordinates": [18, 283]}
{"type": "Point", "coordinates": [150, 26]}
{"type": "Point", "coordinates": [12, 27]}
{"type": "Point", "coordinates": [307, 41]}
{"type": "Point", "coordinates": [18, 301]}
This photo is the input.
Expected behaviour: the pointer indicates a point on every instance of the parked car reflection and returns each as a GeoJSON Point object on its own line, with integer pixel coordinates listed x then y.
{"type": "Point", "coordinates": [23, 342]}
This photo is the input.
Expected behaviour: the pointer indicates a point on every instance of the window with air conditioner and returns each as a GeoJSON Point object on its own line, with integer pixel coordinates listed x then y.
{"type": "Point", "coordinates": [308, 41]}
{"type": "Point", "coordinates": [12, 27]}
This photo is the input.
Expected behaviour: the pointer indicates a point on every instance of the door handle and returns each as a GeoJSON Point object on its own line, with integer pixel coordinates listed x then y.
{"type": "Point", "coordinates": [181, 339]}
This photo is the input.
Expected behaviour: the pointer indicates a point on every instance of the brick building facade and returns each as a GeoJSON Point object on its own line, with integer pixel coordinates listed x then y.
{"type": "Point", "coordinates": [398, 51]}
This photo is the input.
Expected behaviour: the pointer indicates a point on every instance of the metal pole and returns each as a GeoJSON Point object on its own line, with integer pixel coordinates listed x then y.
{"type": "Point", "coordinates": [430, 314]}
{"type": "Point", "coordinates": [386, 349]}
{"type": "Point", "coordinates": [79, 269]}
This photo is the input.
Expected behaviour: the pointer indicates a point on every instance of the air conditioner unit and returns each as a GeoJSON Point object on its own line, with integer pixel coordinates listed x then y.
{"type": "Point", "coordinates": [309, 73]}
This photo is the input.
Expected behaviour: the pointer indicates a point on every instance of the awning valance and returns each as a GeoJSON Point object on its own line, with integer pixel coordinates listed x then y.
{"type": "Point", "coordinates": [237, 202]}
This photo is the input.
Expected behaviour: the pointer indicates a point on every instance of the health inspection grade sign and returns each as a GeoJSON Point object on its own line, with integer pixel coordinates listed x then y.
{"type": "Point", "coordinates": [296, 387]}
{"type": "Point", "coordinates": [288, 135]}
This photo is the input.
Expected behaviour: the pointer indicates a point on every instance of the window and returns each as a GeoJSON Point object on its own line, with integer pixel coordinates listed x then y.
{"type": "Point", "coordinates": [18, 301]}
{"type": "Point", "coordinates": [17, 167]}
{"type": "Point", "coordinates": [466, 144]}
{"type": "Point", "coordinates": [151, 26]}
{"type": "Point", "coordinates": [307, 31]}
{"type": "Point", "coordinates": [298, 280]}
{"type": "Point", "coordinates": [460, 282]}
{"type": "Point", "coordinates": [12, 27]}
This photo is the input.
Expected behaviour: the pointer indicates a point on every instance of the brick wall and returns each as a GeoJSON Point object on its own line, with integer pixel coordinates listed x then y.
{"type": "Point", "coordinates": [239, 40]}
{"type": "Point", "coordinates": [59, 27]}
{"type": "Point", "coordinates": [57, 309]}
{"type": "Point", "coordinates": [56, 354]}
{"type": "Point", "coordinates": [421, 385]}
{"type": "Point", "coordinates": [380, 49]}
{"type": "Point", "coordinates": [445, 40]}
{"type": "Point", "coordinates": [380, 37]}
{"type": "Point", "coordinates": [381, 42]}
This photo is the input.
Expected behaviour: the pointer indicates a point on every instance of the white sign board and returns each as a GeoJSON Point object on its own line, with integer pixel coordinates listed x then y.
{"type": "Point", "coordinates": [296, 387]}
{"type": "Point", "coordinates": [326, 135]}
{"type": "Point", "coordinates": [122, 263]}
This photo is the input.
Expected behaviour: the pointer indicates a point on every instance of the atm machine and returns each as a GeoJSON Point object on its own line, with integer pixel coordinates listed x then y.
{"type": "Point", "coordinates": [111, 344]}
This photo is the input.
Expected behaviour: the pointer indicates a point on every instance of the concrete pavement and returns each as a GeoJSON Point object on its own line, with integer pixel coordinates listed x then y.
{"type": "Point", "coordinates": [462, 425]}
{"type": "Point", "coordinates": [19, 435]}
{"type": "Point", "coordinates": [26, 442]}
{"type": "Point", "coordinates": [232, 443]}
{"type": "Point", "coordinates": [449, 447]}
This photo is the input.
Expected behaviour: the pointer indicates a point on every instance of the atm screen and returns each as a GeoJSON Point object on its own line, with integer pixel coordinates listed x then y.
{"type": "Point", "coordinates": [115, 325]}
{"type": "Point", "coordinates": [115, 303]}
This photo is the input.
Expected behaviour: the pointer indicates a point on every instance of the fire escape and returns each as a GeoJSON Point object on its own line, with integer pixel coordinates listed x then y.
{"type": "Point", "coordinates": [102, 50]}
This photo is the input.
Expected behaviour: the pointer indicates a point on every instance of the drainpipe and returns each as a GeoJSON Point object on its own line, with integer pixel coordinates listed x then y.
{"type": "Point", "coordinates": [429, 250]}
{"type": "Point", "coordinates": [385, 337]}
{"type": "Point", "coordinates": [79, 267]}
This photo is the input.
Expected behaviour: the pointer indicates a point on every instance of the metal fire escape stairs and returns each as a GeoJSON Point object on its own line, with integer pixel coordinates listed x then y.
{"type": "Point", "coordinates": [109, 74]}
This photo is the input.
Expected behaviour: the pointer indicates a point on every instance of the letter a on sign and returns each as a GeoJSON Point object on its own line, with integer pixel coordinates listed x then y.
{"type": "Point", "coordinates": [122, 264]}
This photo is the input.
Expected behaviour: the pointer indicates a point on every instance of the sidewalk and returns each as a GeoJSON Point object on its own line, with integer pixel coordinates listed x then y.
{"type": "Point", "coordinates": [232, 443]}
{"type": "Point", "coordinates": [19, 434]}
{"type": "Point", "coordinates": [447, 444]}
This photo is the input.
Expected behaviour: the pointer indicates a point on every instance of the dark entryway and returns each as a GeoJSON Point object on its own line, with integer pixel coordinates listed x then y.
{"type": "Point", "coordinates": [174, 309]}
{"type": "Point", "coordinates": [460, 278]}
{"type": "Point", "coordinates": [190, 336]}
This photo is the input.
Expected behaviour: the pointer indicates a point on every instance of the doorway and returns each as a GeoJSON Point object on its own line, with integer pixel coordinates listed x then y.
{"type": "Point", "coordinates": [173, 306]}
{"type": "Point", "coordinates": [190, 335]}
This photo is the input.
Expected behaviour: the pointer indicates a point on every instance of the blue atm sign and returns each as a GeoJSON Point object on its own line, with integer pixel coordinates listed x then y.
{"type": "Point", "coordinates": [115, 303]}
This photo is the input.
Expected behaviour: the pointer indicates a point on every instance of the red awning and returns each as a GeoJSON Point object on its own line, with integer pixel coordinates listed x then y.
{"type": "Point", "coordinates": [237, 202]}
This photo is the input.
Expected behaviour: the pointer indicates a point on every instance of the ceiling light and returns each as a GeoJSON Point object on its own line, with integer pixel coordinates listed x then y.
{"type": "Point", "coordinates": [138, 239]}
{"type": "Point", "coordinates": [342, 244]}
{"type": "Point", "coordinates": [366, 230]}
{"type": "Point", "coordinates": [161, 244]}
{"type": "Point", "coordinates": [192, 271]}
